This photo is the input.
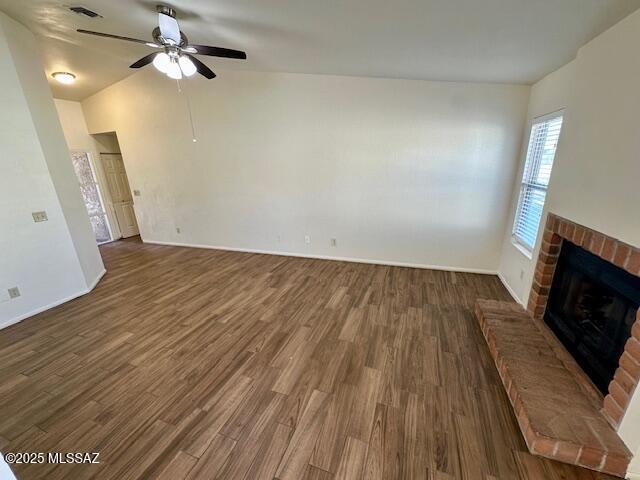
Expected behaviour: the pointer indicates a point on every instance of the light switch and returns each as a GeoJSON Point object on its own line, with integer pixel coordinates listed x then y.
{"type": "Point", "coordinates": [39, 216]}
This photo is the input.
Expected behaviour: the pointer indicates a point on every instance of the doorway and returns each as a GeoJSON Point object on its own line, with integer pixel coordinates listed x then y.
{"type": "Point", "coordinates": [92, 196]}
{"type": "Point", "coordinates": [120, 192]}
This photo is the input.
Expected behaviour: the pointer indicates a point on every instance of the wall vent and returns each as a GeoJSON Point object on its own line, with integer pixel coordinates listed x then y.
{"type": "Point", "coordinates": [80, 10]}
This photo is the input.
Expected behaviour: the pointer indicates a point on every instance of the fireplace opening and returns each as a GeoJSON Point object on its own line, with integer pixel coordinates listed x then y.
{"type": "Point", "coordinates": [591, 309]}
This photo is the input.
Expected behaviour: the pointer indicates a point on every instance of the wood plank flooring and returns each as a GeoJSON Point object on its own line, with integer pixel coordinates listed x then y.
{"type": "Point", "coordinates": [202, 364]}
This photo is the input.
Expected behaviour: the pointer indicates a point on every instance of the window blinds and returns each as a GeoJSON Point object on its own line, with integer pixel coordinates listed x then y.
{"type": "Point", "coordinates": [535, 179]}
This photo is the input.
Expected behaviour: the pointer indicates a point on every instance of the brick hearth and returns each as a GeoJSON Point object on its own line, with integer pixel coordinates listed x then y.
{"type": "Point", "coordinates": [557, 417]}
{"type": "Point", "coordinates": [562, 415]}
{"type": "Point", "coordinates": [625, 256]}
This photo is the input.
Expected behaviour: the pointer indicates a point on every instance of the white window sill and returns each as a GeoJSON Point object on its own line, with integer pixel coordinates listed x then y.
{"type": "Point", "coordinates": [522, 249]}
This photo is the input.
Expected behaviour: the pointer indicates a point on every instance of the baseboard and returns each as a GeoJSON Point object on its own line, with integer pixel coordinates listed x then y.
{"type": "Point", "coordinates": [38, 310]}
{"type": "Point", "coordinates": [509, 289]}
{"type": "Point", "coordinates": [326, 257]}
{"type": "Point", "coordinates": [97, 279]}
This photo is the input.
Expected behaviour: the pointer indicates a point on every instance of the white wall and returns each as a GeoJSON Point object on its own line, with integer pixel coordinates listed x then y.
{"type": "Point", "coordinates": [26, 58]}
{"type": "Point", "coordinates": [595, 179]}
{"type": "Point", "coordinates": [50, 261]}
{"type": "Point", "coordinates": [398, 171]}
{"type": "Point", "coordinates": [548, 95]}
{"type": "Point", "coordinates": [75, 131]}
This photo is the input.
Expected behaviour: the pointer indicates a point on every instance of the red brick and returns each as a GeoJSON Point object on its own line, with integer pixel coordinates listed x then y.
{"type": "Point", "coordinates": [596, 243]}
{"type": "Point", "coordinates": [630, 365]}
{"type": "Point", "coordinates": [540, 289]}
{"type": "Point", "coordinates": [549, 248]}
{"type": "Point", "coordinates": [635, 330]}
{"type": "Point", "coordinates": [567, 452]}
{"type": "Point", "coordinates": [547, 258]}
{"type": "Point", "coordinates": [626, 381]}
{"type": "Point", "coordinates": [544, 446]}
{"type": "Point", "coordinates": [529, 435]}
{"type": "Point", "coordinates": [543, 279]}
{"type": "Point", "coordinates": [562, 228]}
{"type": "Point", "coordinates": [531, 305]}
{"type": "Point", "coordinates": [538, 311]}
{"type": "Point", "coordinates": [578, 235]}
{"type": "Point", "coordinates": [619, 395]}
{"type": "Point", "coordinates": [537, 300]}
{"type": "Point", "coordinates": [586, 240]}
{"type": "Point", "coordinates": [552, 238]}
{"type": "Point", "coordinates": [633, 262]}
{"type": "Point", "coordinates": [620, 258]}
{"type": "Point", "coordinates": [590, 457]}
{"type": "Point", "coordinates": [609, 249]}
{"type": "Point", "coordinates": [632, 347]}
{"type": "Point", "coordinates": [549, 221]}
{"type": "Point", "coordinates": [571, 228]}
{"type": "Point", "coordinates": [533, 298]}
{"type": "Point", "coordinates": [612, 410]}
{"type": "Point", "coordinates": [545, 269]}
{"type": "Point", "coordinates": [616, 465]}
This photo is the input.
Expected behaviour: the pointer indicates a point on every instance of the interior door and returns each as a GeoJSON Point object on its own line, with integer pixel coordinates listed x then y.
{"type": "Point", "coordinates": [120, 193]}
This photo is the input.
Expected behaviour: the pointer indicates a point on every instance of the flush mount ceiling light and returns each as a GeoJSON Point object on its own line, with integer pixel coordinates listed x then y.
{"type": "Point", "coordinates": [64, 77]}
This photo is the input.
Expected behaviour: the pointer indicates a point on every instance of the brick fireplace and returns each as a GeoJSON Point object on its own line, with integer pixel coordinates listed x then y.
{"type": "Point", "coordinates": [563, 414]}
{"type": "Point", "coordinates": [624, 256]}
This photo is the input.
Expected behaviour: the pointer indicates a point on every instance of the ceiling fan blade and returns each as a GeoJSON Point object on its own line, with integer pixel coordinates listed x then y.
{"type": "Point", "coordinates": [202, 68]}
{"type": "Point", "coordinates": [117, 37]}
{"type": "Point", "coordinates": [169, 28]}
{"type": "Point", "coordinates": [146, 60]}
{"type": "Point", "coordinates": [219, 52]}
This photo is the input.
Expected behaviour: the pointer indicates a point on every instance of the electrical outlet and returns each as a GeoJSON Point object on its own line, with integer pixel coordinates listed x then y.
{"type": "Point", "coordinates": [177, 229]}
{"type": "Point", "coordinates": [307, 239]}
{"type": "Point", "coordinates": [136, 193]}
{"type": "Point", "coordinates": [39, 216]}
{"type": "Point", "coordinates": [14, 292]}
{"type": "Point", "coordinates": [334, 242]}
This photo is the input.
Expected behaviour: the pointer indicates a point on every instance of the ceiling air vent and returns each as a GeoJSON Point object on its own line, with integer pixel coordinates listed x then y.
{"type": "Point", "coordinates": [80, 10]}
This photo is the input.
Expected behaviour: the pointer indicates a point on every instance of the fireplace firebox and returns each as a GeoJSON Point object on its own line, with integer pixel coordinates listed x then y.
{"type": "Point", "coordinates": [591, 309]}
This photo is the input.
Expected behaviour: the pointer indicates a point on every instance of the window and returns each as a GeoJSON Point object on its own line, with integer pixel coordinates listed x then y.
{"type": "Point", "coordinates": [91, 195]}
{"type": "Point", "coordinates": [543, 141]}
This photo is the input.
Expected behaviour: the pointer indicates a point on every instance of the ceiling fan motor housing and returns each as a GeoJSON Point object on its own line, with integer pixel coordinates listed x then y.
{"type": "Point", "coordinates": [166, 10]}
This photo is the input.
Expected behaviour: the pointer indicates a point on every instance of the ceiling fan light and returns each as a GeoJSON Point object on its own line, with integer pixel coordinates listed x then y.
{"type": "Point", "coordinates": [162, 62]}
{"type": "Point", "coordinates": [187, 66]}
{"type": "Point", "coordinates": [174, 70]}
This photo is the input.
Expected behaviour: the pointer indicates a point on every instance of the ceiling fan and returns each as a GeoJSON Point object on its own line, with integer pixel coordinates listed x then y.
{"type": "Point", "coordinates": [176, 58]}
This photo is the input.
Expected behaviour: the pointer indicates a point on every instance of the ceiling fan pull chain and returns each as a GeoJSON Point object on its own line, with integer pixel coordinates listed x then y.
{"type": "Point", "coordinates": [186, 96]}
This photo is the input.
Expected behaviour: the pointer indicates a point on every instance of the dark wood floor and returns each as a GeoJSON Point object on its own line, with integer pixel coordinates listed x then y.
{"type": "Point", "coordinates": [187, 363]}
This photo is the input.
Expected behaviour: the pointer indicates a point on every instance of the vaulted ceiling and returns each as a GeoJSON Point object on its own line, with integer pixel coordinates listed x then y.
{"type": "Point", "coordinates": [507, 41]}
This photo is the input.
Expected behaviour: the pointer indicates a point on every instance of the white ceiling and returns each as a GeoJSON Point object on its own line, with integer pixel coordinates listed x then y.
{"type": "Point", "coordinates": [510, 41]}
